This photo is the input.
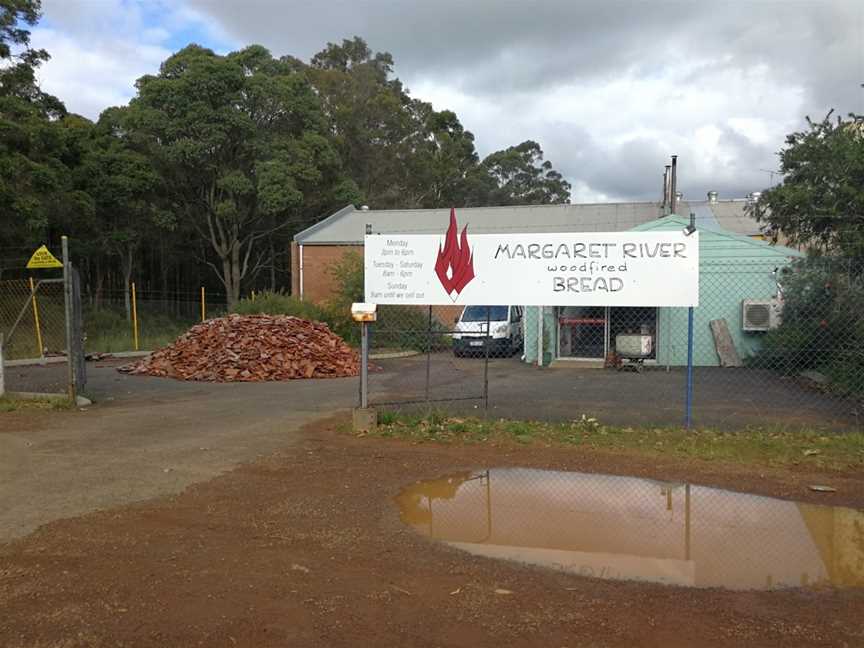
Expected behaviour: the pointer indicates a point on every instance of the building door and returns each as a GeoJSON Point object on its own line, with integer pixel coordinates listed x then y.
{"type": "Point", "coordinates": [582, 332]}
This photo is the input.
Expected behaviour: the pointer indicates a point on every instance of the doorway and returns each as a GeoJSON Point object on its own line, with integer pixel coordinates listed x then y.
{"type": "Point", "coordinates": [589, 332]}
{"type": "Point", "coordinates": [582, 332]}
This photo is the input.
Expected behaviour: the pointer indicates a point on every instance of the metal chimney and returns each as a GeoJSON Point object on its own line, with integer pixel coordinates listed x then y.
{"type": "Point", "coordinates": [712, 197]}
{"type": "Point", "coordinates": [665, 189]}
{"type": "Point", "coordinates": [673, 186]}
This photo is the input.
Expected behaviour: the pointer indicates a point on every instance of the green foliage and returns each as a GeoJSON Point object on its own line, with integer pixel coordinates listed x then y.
{"type": "Point", "coordinates": [821, 199]}
{"type": "Point", "coordinates": [219, 159]}
{"type": "Point", "coordinates": [521, 177]}
{"type": "Point", "coordinates": [277, 303]}
{"type": "Point", "coordinates": [348, 275]}
{"type": "Point", "coordinates": [239, 141]}
{"type": "Point", "coordinates": [397, 327]}
{"type": "Point", "coordinates": [404, 154]}
{"type": "Point", "coordinates": [821, 327]}
{"type": "Point", "coordinates": [36, 146]}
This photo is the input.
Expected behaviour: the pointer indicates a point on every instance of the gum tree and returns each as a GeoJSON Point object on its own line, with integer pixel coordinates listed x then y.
{"type": "Point", "coordinates": [239, 143]}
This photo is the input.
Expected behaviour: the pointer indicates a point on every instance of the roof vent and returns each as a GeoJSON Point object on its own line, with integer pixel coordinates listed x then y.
{"type": "Point", "coordinates": [712, 196]}
{"type": "Point", "coordinates": [364, 208]}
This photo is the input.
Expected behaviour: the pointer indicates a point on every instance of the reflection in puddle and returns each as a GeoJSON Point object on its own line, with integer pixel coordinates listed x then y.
{"type": "Point", "coordinates": [638, 529]}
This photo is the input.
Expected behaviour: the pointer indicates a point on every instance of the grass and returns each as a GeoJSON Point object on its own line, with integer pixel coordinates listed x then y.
{"type": "Point", "coordinates": [8, 404]}
{"type": "Point", "coordinates": [763, 446]}
{"type": "Point", "coordinates": [114, 342]}
{"type": "Point", "coordinates": [108, 331]}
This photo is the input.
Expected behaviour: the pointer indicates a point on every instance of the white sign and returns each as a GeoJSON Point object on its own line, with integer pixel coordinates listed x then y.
{"type": "Point", "coordinates": [589, 269]}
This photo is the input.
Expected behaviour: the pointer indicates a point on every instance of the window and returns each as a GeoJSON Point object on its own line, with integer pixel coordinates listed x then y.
{"type": "Point", "coordinates": [478, 313]}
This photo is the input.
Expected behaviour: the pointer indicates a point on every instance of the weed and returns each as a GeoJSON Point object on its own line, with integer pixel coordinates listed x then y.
{"type": "Point", "coordinates": [768, 446]}
{"type": "Point", "coordinates": [9, 404]}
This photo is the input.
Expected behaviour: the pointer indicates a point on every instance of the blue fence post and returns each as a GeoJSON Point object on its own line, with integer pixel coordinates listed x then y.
{"type": "Point", "coordinates": [688, 415]}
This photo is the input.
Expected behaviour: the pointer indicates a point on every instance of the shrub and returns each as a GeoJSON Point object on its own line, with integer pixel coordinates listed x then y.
{"type": "Point", "coordinates": [277, 303]}
{"type": "Point", "coordinates": [822, 327]}
{"type": "Point", "coordinates": [398, 327]}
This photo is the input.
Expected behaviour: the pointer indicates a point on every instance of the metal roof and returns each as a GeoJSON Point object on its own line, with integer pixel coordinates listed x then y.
{"type": "Point", "coordinates": [348, 225]}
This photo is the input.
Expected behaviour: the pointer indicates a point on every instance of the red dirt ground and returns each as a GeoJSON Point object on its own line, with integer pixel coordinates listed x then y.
{"type": "Point", "coordinates": [306, 549]}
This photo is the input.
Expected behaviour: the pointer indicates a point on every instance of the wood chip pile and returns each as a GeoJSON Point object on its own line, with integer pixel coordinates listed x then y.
{"type": "Point", "coordinates": [252, 348]}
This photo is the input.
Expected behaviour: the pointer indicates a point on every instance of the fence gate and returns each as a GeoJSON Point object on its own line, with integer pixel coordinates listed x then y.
{"type": "Point", "coordinates": [41, 319]}
{"type": "Point", "coordinates": [417, 365]}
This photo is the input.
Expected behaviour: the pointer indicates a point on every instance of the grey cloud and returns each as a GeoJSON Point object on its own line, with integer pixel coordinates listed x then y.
{"type": "Point", "coordinates": [494, 46]}
{"type": "Point", "coordinates": [507, 51]}
{"type": "Point", "coordinates": [634, 170]}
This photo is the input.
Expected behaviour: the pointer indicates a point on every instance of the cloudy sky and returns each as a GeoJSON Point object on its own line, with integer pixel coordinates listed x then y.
{"type": "Point", "coordinates": [610, 89]}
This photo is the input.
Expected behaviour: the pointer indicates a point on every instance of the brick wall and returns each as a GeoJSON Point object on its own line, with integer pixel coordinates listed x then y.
{"type": "Point", "coordinates": [318, 282]}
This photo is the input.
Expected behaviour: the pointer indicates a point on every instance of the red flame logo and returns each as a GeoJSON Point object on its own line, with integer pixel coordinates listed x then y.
{"type": "Point", "coordinates": [455, 264]}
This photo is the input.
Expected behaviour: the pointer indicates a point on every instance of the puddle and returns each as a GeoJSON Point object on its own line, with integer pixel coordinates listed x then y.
{"type": "Point", "coordinates": [638, 529]}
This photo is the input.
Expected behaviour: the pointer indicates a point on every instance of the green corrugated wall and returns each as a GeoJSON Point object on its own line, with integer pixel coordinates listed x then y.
{"type": "Point", "coordinates": [731, 268]}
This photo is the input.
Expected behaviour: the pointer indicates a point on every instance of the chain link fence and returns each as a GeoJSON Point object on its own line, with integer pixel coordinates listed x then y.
{"type": "Point", "coordinates": [117, 321]}
{"type": "Point", "coordinates": [774, 344]}
{"type": "Point", "coordinates": [32, 318]}
{"type": "Point", "coordinates": [427, 356]}
{"type": "Point", "coordinates": [41, 324]}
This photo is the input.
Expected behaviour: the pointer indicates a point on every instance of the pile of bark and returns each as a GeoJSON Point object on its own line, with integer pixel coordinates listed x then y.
{"type": "Point", "coordinates": [252, 348]}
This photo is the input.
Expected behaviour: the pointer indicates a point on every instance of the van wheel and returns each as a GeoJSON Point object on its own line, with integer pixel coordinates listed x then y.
{"type": "Point", "coordinates": [457, 353]}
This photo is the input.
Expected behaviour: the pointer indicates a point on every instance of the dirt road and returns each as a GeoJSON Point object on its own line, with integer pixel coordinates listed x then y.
{"type": "Point", "coordinates": [305, 548]}
{"type": "Point", "coordinates": [146, 437]}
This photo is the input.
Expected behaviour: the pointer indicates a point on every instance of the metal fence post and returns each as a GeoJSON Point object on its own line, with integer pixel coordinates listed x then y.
{"type": "Point", "coordinates": [67, 304]}
{"type": "Point", "coordinates": [134, 317]}
{"type": "Point", "coordinates": [688, 416]}
{"type": "Point", "coordinates": [539, 336]}
{"type": "Point", "coordinates": [2, 378]}
{"type": "Point", "coordinates": [428, 353]}
{"type": "Point", "coordinates": [364, 365]}
{"type": "Point", "coordinates": [486, 363]}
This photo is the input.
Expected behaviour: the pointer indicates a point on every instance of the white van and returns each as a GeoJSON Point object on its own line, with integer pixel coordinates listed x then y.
{"type": "Point", "coordinates": [505, 324]}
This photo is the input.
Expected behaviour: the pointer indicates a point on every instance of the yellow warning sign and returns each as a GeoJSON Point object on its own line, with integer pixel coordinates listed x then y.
{"type": "Point", "coordinates": [42, 258]}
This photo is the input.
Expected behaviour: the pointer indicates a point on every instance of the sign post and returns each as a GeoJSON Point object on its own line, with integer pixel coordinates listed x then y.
{"type": "Point", "coordinates": [364, 418]}
{"type": "Point", "coordinates": [688, 416]}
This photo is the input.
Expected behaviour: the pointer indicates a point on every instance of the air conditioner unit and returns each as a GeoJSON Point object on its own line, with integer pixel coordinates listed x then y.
{"type": "Point", "coordinates": [760, 314]}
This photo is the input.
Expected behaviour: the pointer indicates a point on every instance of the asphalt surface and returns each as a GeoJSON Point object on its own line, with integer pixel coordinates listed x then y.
{"type": "Point", "coordinates": [723, 398]}
{"type": "Point", "coordinates": [728, 398]}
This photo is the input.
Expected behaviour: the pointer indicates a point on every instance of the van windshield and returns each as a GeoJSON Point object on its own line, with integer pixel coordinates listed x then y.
{"type": "Point", "coordinates": [478, 314]}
